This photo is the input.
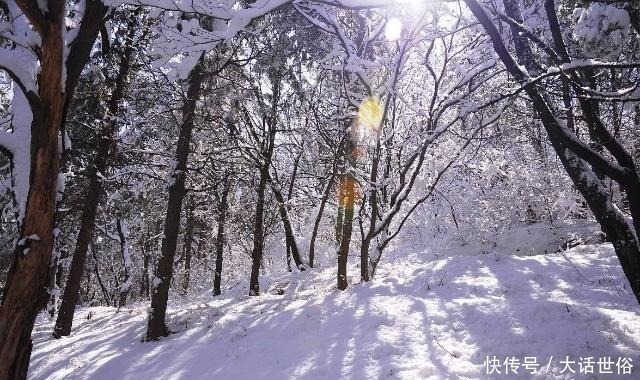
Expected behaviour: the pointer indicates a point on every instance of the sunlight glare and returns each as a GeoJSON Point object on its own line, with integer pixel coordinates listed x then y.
{"type": "Point", "coordinates": [370, 113]}
{"type": "Point", "coordinates": [393, 29]}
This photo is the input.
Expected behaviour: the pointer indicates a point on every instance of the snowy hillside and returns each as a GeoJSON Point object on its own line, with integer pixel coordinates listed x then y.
{"type": "Point", "coordinates": [423, 317]}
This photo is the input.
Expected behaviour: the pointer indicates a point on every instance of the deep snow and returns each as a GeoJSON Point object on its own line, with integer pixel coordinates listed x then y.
{"type": "Point", "coordinates": [425, 316]}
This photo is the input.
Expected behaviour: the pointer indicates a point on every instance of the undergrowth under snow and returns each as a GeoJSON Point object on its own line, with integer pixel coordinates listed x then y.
{"type": "Point", "coordinates": [425, 316]}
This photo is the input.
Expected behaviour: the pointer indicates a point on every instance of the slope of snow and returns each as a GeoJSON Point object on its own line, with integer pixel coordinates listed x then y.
{"type": "Point", "coordinates": [423, 317]}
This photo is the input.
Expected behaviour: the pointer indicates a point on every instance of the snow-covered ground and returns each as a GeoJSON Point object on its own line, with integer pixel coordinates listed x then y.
{"type": "Point", "coordinates": [425, 316]}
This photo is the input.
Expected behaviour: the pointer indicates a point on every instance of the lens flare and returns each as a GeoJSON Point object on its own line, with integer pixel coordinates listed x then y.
{"type": "Point", "coordinates": [393, 29]}
{"type": "Point", "coordinates": [348, 192]}
{"type": "Point", "coordinates": [370, 113]}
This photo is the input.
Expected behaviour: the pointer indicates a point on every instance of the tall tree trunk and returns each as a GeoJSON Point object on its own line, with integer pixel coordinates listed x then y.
{"type": "Point", "coordinates": [292, 182]}
{"type": "Point", "coordinates": [24, 298]}
{"type": "Point", "coordinates": [157, 327]}
{"type": "Point", "coordinates": [316, 224]}
{"type": "Point", "coordinates": [340, 211]}
{"type": "Point", "coordinates": [188, 242]}
{"type": "Point", "coordinates": [144, 286]}
{"type": "Point", "coordinates": [349, 184]}
{"type": "Point", "coordinates": [258, 232]}
{"type": "Point", "coordinates": [266, 154]}
{"type": "Point", "coordinates": [126, 261]}
{"type": "Point", "coordinates": [25, 292]}
{"type": "Point", "coordinates": [288, 228]}
{"type": "Point", "coordinates": [105, 292]}
{"type": "Point", "coordinates": [71, 293]}
{"type": "Point", "coordinates": [220, 238]}
{"type": "Point", "coordinates": [373, 205]}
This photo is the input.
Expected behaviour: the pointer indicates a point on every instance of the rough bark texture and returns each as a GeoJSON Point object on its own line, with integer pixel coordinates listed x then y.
{"type": "Point", "coordinates": [25, 292]}
{"type": "Point", "coordinates": [157, 327]}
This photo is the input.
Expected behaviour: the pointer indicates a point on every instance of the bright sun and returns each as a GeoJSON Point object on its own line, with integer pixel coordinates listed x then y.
{"type": "Point", "coordinates": [393, 29]}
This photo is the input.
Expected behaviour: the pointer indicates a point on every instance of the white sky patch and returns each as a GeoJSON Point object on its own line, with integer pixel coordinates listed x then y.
{"type": "Point", "coordinates": [393, 29]}
{"type": "Point", "coordinates": [412, 3]}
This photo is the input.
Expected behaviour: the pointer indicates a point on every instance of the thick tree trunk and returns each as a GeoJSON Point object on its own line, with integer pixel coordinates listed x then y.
{"type": "Point", "coordinates": [24, 298]}
{"type": "Point", "coordinates": [156, 327]}
{"type": "Point", "coordinates": [222, 217]}
{"type": "Point", "coordinates": [25, 292]}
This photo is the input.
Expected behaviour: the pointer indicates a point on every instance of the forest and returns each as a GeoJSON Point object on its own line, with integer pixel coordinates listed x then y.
{"type": "Point", "coordinates": [319, 189]}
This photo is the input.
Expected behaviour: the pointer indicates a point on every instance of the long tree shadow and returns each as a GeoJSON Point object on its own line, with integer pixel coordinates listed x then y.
{"type": "Point", "coordinates": [425, 321]}
{"type": "Point", "coordinates": [524, 307]}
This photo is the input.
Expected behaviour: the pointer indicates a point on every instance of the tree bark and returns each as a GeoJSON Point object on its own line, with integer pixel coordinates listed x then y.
{"type": "Point", "coordinates": [292, 182]}
{"type": "Point", "coordinates": [373, 204]}
{"type": "Point", "coordinates": [316, 224]}
{"type": "Point", "coordinates": [188, 242]}
{"type": "Point", "coordinates": [157, 327]}
{"type": "Point", "coordinates": [266, 154]}
{"type": "Point", "coordinates": [340, 210]}
{"type": "Point", "coordinates": [146, 256]}
{"type": "Point", "coordinates": [220, 238]}
{"type": "Point", "coordinates": [258, 232]}
{"type": "Point", "coordinates": [105, 292]}
{"type": "Point", "coordinates": [126, 260]}
{"type": "Point", "coordinates": [348, 183]}
{"type": "Point", "coordinates": [25, 292]}
{"type": "Point", "coordinates": [288, 228]}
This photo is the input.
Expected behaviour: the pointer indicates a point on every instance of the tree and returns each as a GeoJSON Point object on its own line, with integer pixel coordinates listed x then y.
{"type": "Point", "coordinates": [39, 109]}
{"type": "Point", "coordinates": [581, 162]}
{"type": "Point", "coordinates": [96, 173]}
{"type": "Point", "coordinates": [157, 327]}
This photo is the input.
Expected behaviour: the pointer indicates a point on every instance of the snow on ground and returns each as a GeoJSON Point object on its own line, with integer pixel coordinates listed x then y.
{"type": "Point", "coordinates": [423, 317]}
